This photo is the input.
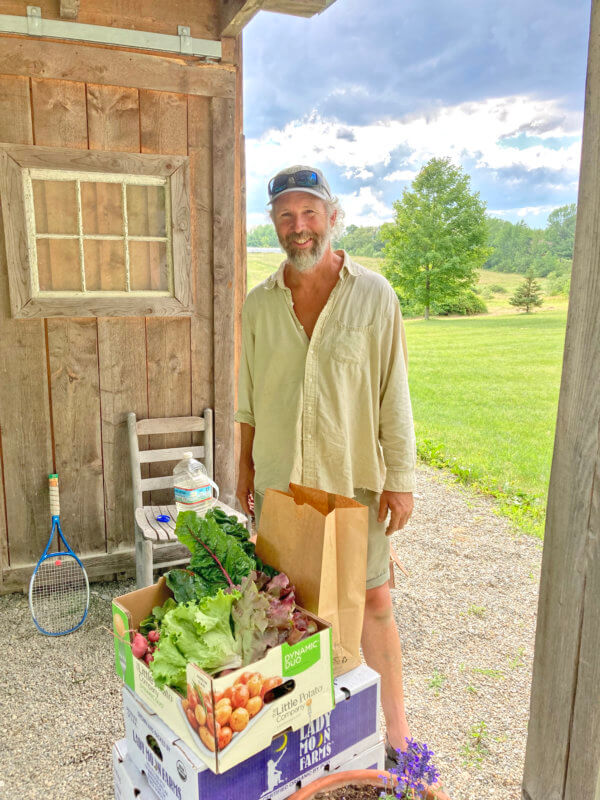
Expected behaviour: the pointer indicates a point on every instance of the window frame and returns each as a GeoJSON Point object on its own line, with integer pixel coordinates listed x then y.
{"type": "Point", "coordinates": [26, 299]}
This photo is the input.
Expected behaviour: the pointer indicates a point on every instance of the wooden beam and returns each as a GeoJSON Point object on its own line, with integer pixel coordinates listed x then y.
{"type": "Point", "coordinates": [36, 58]}
{"type": "Point", "coordinates": [236, 14]}
{"type": "Point", "coordinates": [69, 9]}
{"type": "Point", "coordinates": [98, 566]}
{"type": "Point", "coordinates": [297, 8]}
{"type": "Point", "coordinates": [563, 747]}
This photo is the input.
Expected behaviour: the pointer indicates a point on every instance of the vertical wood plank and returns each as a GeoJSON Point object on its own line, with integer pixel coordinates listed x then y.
{"type": "Point", "coordinates": [224, 139]}
{"type": "Point", "coordinates": [58, 118]}
{"type": "Point", "coordinates": [15, 110]}
{"type": "Point", "coordinates": [73, 353]}
{"type": "Point", "coordinates": [168, 139]}
{"type": "Point", "coordinates": [73, 356]}
{"type": "Point", "coordinates": [24, 406]}
{"type": "Point", "coordinates": [122, 357]}
{"type": "Point", "coordinates": [164, 129]}
{"type": "Point", "coordinates": [113, 113]}
{"type": "Point", "coordinates": [200, 152]}
{"type": "Point", "coordinates": [563, 748]}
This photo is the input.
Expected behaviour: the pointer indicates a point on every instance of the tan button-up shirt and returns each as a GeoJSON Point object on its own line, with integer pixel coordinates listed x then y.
{"type": "Point", "coordinates": [333, 411]}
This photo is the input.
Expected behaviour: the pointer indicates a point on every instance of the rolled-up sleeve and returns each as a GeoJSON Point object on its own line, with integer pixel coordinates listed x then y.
{"type": "Point", "coordinates": [245, 394]}
{"type": "Point", "coordinates": [396, 428]}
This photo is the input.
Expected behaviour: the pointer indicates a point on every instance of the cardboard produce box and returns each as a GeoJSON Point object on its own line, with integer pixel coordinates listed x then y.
{"type": "Point", "coordinates": [294, 685]}
{"type": "Point", "coordinates": [372, 758]}
{"type": "Point", "coordinates": [327, 743]}
{"type": "Point", "coordinates": [130, 782]}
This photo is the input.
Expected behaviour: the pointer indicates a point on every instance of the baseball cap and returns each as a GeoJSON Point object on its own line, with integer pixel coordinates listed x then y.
{"type": "Point", "coordinates": [299, 179]}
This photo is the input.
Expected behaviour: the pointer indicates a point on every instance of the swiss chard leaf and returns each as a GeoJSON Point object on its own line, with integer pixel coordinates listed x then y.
{"type": "Point", "coordinates": [217, 558]}
{"type": "Point", "coordinates": [186, 585]}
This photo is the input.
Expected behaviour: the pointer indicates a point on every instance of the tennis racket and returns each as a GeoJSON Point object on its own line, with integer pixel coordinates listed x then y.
{"type": "Point", "coordinates": [59, 591]}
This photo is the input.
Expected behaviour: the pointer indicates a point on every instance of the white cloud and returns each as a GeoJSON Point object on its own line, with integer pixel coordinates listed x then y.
{"type": "Point", "coordinates": [475, 133]}
{"type": "Point", "coordinates": [255, 218]}
{"type": "Point", "coordinates": [364, 207]}
{"type": "Point", "coordinates": [402, 175]}
{"type": "Point", "coordinates": [524, 211]}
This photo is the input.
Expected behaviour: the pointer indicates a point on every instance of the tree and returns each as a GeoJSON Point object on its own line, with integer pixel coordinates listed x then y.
{"type": "Point", "coordinates": [437, 241]}
{"type": "Point", "coordinates": [361, 241]}
{"type": "Point", "coordinates": [527, 295]}
{"type": "Point", "coordinates": [519, 248]}
{"type": "Point", "coordinates": [262, 236]}
{"type": "Point", "coordinates": [560, 231]}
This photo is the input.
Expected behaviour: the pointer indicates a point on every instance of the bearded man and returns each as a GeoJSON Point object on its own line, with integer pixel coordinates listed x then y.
{"type": "Point", "coordinates": [323, 398]}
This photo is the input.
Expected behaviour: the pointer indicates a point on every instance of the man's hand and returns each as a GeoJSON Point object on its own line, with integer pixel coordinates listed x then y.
{"type": "Point", "coordinates": [400, 504]}
{"type": "Point", "coordinates": [245, 489]}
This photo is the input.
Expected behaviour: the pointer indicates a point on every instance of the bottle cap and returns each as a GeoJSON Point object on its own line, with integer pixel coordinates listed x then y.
{"type": "Point", "coordinates": [188, 454]}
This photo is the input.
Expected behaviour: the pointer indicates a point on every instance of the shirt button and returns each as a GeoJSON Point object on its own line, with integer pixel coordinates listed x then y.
{"type": "Point", "coordinates": [309, 435]}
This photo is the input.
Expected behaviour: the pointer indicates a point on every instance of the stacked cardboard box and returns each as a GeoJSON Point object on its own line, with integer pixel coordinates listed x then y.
{"type": "Point", "coordinates": [302, 735]}
{"type": "Point", "coordinates": [153, 762]}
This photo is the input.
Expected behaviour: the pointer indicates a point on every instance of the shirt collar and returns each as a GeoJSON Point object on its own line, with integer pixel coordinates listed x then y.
{"type": "Point", "coordinates": [349, 267]}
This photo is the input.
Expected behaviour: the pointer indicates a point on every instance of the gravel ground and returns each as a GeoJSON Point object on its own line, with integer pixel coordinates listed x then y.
{"type": "Point", "coordinates": [466, 614]}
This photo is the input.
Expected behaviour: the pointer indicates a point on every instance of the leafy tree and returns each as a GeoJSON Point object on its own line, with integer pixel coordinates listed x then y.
{"type": "Point", "coordinates": [437, 241]}
{"type": "Point", "coordinates": [262, 236]}
{"type": "Point", "coordinates": [560, 231]}
{"type": "Point", "coordinates": [361, 241]}
{"type": "Point", "coordinates": [519, 248]}
{"type": "Point", "coordinates": [527, 295]}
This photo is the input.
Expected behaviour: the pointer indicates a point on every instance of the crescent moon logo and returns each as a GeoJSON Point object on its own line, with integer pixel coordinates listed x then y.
{"type": "Point", "coordinates": [320, 739]}
{"type": "Point", "coordinates": [284, 745]}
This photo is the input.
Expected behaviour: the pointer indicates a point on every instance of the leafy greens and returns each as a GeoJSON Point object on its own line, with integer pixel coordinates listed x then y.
{"type": "Point", "coordinates": [221, 555]}
{"type": "Point", "coordinates": [199, 632]}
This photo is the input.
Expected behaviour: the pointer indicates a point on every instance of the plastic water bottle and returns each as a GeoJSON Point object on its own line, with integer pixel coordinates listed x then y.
{"type": "Point", "coordinates": [193, 488]}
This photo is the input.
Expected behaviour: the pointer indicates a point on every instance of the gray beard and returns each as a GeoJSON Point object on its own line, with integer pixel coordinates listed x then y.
{"type": "Point", "coordinates": [304, 260]}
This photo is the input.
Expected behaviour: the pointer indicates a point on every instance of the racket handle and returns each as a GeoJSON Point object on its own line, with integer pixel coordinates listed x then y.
{"type": "Point", "coordinates": [54, 501]}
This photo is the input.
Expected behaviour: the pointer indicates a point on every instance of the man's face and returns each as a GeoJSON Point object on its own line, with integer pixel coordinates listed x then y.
{"type": "Point", "coordinates": [303, 228]}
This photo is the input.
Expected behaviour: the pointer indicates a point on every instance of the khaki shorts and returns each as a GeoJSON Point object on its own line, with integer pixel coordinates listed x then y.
{"type": "Point", "coordinates": [378, 547]}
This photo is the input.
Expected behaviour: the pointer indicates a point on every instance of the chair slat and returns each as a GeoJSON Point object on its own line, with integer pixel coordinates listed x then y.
{"type": "Point", "coordinates": [149, 484]}
{"type": "Point", "coordinates": [170, 454]}
{"type": "Point", "coordinates": [169, 425]}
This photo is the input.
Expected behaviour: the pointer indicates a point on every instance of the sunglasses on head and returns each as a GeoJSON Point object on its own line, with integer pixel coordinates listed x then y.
{"type": "Point", "coordinates": [304, 178]}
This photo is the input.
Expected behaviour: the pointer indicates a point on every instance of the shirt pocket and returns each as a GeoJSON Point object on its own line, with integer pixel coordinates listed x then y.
{"type": "Point", "coordinates": [351, 343]}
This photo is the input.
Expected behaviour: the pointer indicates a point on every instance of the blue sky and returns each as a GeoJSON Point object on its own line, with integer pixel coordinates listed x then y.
{"type": "Point", "coordinates": [370, 90]}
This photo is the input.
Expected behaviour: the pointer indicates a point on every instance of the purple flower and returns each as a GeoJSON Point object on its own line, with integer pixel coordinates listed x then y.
{"type": "Point", "coordinates": [415, 769]}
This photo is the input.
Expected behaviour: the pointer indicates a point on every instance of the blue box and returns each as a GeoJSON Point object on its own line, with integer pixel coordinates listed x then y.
{"type": "Point", "coordinates": [174, 772]}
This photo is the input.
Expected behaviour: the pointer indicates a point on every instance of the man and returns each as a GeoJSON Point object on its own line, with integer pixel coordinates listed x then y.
{"type": "Point", "coordinates": [323, 398]}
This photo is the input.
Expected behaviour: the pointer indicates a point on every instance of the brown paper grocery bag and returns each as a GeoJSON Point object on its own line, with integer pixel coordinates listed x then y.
{"type": "Point", "coordinates": [320, 541]}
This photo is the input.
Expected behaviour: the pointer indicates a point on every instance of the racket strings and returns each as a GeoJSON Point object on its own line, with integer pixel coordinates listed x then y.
{"type": "Point", "coordinates": [59, 594]}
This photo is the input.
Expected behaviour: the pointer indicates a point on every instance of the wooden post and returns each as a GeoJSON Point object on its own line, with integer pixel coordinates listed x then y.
{"type": "Point", "coordinates": [224, 137]}
{"type": "Point", "coordinates": [563, 748]}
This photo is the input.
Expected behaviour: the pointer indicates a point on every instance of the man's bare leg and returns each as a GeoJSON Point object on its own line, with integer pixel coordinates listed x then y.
{"type": "Point", "coordinates": [383, 653]}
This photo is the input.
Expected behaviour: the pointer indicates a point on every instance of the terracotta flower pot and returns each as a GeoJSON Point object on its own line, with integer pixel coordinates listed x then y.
{"type": "Point", "coordinates": [357, 777]}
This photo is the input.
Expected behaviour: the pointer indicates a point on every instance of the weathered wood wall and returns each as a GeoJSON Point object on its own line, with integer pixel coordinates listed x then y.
{"type": "Point", "coordinates": [67, 384]}
{"type": "Point", "coordinates": [563, 747]}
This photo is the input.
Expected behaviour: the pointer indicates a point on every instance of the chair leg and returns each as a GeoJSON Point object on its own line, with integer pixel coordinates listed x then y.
{"type": "Point", "coordinates": [143, 561]}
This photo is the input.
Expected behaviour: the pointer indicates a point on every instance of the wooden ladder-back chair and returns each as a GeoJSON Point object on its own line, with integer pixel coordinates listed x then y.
{"type": "Point", "coordinates": [151, 535]}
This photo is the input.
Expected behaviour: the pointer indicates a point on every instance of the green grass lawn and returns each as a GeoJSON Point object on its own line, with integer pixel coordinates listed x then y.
{"type": "Point", "coordinates": [485, 396]}
{"type": "Point", "coordinates": [484, 391]}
